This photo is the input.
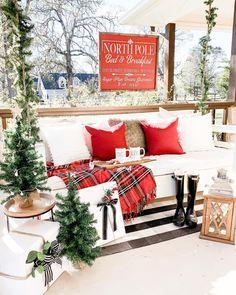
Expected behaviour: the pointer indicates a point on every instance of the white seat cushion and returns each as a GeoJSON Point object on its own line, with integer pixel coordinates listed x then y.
{"type": "Point", "coordinates": [168, 164]}
{"type": "Point", "coordinates": [216, 158]}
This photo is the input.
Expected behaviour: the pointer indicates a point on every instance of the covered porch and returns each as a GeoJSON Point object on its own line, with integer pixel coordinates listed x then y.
{"type": "Point", "coordinates": [155, 257]}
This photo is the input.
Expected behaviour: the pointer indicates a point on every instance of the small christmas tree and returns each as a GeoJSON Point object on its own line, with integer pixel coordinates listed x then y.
{"type": "Point", "coordinates": [21, 171]}
{"type": "Point", "coordinates": [77, 235]}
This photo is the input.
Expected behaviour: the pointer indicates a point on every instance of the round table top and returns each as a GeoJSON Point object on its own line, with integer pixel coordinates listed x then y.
{"type": "Point", "coordinates": [40, 206]}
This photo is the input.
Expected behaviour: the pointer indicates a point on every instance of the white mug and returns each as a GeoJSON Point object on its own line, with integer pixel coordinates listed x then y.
{"type": "Point", "coordinates": [135, 153]}
{"type": "Point", "coordinates": [121, 154]}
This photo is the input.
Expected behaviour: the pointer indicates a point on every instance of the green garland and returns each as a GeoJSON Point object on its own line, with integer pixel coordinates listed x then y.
{"type": "Point", "coordinates": [22, 171]}
{"type": "Point", "coordinates": [204, 44]}
{"type": "Point", "coordinates": [19, 41]}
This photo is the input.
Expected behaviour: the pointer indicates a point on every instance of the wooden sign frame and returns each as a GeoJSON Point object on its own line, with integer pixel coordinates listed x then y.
{"type": "Point", "coordinates": [127, 62]}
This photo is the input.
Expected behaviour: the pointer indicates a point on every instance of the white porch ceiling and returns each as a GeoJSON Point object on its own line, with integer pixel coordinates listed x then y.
{"type": "Point", "coordinates": [185, 13]}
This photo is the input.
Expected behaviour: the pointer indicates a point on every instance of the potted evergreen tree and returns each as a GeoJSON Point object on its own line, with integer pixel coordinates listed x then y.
{"type": "Point", "coordinates": [77, 236]}
{"type": "Point", "coordinates": [21, 172]}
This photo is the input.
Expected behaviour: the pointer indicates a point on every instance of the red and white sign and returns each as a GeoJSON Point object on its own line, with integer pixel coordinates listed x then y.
{"type": "Point", "coordinates": [128, 62]}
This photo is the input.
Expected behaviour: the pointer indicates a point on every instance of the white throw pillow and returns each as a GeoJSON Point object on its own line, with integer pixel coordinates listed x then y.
{"type": "Point", "coordinates": [45, 123]}
{"type": "Point", "coordinates": [161, 122]}
{"type": "Point", "coordinates": [66, 143]}
{"type": "Point", "coordinates": [195, 133]}
{"type": "Point", "coordinates": [163, 113]}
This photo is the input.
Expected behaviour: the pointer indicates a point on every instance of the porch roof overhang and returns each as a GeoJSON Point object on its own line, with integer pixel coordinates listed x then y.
{"type": "Point", "coordinates": [184, 13]}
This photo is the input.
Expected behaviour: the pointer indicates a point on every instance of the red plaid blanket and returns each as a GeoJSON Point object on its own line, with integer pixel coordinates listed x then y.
{"type": "Point", "coordinates": [136, 185]}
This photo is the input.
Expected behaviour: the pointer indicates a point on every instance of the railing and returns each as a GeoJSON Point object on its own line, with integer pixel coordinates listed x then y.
{"type": "Point", "coordinates": [5, 114]}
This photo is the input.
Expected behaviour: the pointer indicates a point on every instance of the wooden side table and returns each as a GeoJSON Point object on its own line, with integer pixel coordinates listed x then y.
{"type": "Point", "coordinates": [40, 206]}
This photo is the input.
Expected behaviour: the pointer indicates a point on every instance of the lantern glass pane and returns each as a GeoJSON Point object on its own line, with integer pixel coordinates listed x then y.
{"type": "Point", "coordinates": [212, 227]}
{"type": "Point", "coordinates": [223, 229]}
{"type": "Point", "coordinates": [218, 218]}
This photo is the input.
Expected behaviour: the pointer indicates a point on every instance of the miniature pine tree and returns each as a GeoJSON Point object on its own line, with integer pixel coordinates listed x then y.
{"type": "Point", "coordinates": [77, 235]}
{"type": "Point", "coordinates": [21, 171]}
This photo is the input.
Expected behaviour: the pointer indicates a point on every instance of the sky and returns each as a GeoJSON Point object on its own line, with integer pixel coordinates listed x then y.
{"type": "Point", "coordinates": [222, 39]}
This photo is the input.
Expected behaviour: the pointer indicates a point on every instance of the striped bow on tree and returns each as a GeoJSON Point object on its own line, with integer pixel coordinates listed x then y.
{"type": "Point", "coordinates": [53, 257]}
{"type": "Point", "coordinates": [43, 260]}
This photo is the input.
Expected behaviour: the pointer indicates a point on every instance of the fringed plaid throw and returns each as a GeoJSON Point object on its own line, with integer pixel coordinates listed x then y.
{"type": "Point", "coordinates": [136, 184]}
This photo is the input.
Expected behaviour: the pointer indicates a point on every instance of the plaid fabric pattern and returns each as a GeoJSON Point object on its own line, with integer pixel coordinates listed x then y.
{"type": "Point", "coordinates": [136, 184]}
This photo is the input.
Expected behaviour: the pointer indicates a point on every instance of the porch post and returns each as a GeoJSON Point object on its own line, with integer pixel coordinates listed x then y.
{"type": "Point", "coordinates": [169, 61]}
{"type": "Point", "coordinates": [232, 77]}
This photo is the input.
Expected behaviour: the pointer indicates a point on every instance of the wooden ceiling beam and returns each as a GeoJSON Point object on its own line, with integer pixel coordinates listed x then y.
{"type": "Point", "coordinates": [169, 61]}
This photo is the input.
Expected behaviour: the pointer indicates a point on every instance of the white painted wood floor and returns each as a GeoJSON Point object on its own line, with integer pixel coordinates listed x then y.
{"type": "Point", "coordinates": [183, 266]}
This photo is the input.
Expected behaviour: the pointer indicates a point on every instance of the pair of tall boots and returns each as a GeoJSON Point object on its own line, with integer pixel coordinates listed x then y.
{"type": "Point", "coordinates": [189, 217]}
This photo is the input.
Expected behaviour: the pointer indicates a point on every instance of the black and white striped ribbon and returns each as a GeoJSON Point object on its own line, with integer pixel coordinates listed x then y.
{"type": "Point", "coordinates": [53, 257]}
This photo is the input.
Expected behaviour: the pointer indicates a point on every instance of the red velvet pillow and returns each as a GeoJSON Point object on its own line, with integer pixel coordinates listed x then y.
{"type": "Point", "coordinates": [105, 142]}
{"type": "Point", "coordinates": [161, 141]}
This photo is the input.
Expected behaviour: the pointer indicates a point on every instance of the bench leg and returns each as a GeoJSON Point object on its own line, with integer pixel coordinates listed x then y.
{"type": "Point", "coordinates": [52, 217]}
{"type": "Point", "coordinates": [8, 224]}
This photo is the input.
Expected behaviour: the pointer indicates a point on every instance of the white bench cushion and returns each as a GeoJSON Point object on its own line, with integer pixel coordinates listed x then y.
{"type": "Point", "coordinates": [203, 160]}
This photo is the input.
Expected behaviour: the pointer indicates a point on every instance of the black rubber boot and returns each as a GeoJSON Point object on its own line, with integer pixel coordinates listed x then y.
{"type": "Point", "coordinates": [179, 217]}
{"type": "Point", "coordinates": [191, 217]}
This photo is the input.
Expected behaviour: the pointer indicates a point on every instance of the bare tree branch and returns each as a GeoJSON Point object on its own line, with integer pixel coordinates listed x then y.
{"type": "Point", "coordinates": [69, 29]}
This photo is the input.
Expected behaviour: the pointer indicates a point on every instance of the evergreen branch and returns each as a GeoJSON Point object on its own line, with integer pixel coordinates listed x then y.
{"type": "Point", "coordinates": [22, 171]}
{"type": "Point", "coordinates": [18, 43]}
{"type": "Point", "coordinates": [204, 54]}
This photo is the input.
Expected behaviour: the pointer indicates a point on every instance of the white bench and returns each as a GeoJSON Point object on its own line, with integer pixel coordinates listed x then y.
{"type": "Point", "coordinates": [205, 162]}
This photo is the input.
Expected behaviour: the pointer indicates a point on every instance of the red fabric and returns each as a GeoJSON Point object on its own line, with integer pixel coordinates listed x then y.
{"type": "Point", "coordinates": [136, 185]}
{"type": "Point", "coordinates": [104, 142]}
{"type": "Point", "coordinates": [162, 140]}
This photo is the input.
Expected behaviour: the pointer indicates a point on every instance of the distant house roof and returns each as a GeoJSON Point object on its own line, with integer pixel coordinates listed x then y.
{"type": "Point", "coordinates": [50, 80]}
{"type": "Point", "coordinates": [35, 82]}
